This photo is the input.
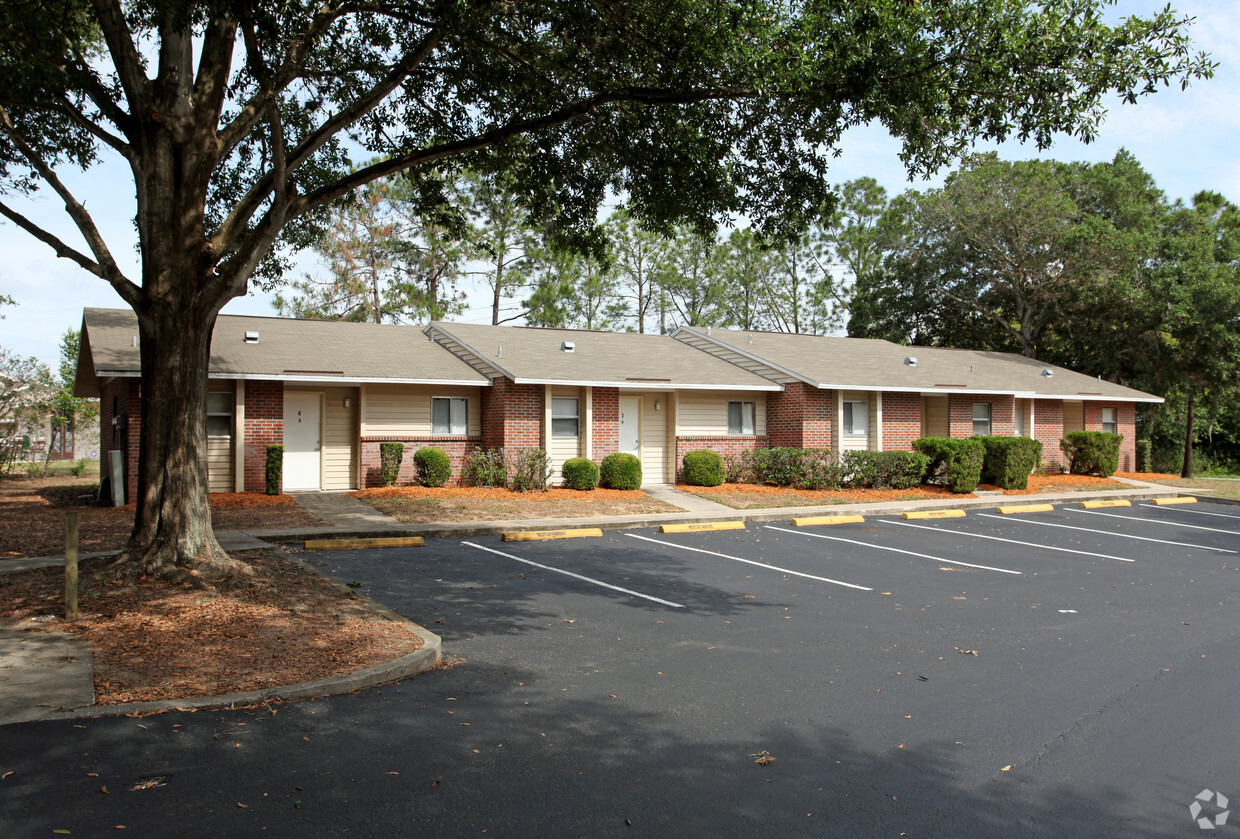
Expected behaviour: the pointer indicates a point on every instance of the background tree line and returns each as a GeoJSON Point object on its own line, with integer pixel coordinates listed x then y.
{"type": "Point", "coordinates": [1085, 265]}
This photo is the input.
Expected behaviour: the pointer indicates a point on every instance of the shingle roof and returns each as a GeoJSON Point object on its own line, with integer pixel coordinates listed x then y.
{"type": "Point", "coordinates": [288, 349]}
{"type": "Point", "coordinates": [615, 359]}
{"type": "Point", "coordinates": [869, 364]}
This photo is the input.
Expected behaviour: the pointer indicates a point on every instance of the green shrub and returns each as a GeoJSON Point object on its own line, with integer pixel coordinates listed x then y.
{"type": "Point", "coordinates": [738, 468]}
{"type": "Point", "coordinates": [580, 473]}
{"type": "Point", "coordinates": [1091, 452]}
{"type": "Point", "coordinates": [391, 454]}
{"type": "Point", "coordinates": [275, 469]}
{"type": "Point", "coordinates": [1144, 459]}
{"type": "Point", "coordinates": [955, 464]}
{"type": "Point", "coordinates": [821, 469]}
{"type": "Point", "coordinates": [434, 467]}
{"type": "Point", "coordinates": [531, 469]}
{"type": "Point", "coordinates": [884, 470]}
{"type": "Point", "coordinates": [703, 468]}
{"type": "Point", "coordinates": [621, 471]}
{"type": "Point", "coordinates": [781, 466]}
{"type": "Point", "coordinates": [1008, 461]}
{"type": "Point", "coordinates": [485, 468]}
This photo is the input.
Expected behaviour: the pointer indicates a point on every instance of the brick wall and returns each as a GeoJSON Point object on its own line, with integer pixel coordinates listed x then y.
{"type": "Point", "coordinates": [1002, 414]}
{"type": "Point", "coordinates": [457, 449]}
{"type": "Point", "coordinates": [1125, 425]}
{"type": "Point", "coordinates": [264, 426]}
{"type": "Point", "coordinates": [726, 445]}
{"type": "Point", "coordinates": [901, 421]}
{"type": "Point", "coordinates": [801, 416]}
{"type": "Point", "coordinates": [605, 419]}
{"type": "Point", "coordinates": [121, 397]}
{"type": "Point", "coordinates": [512, 415]}
{"type": "Point", "coordinates": [1048, 427]}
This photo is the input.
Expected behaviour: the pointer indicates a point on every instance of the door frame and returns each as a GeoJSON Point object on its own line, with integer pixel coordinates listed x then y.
{"type": "Point", "coordinates": [321, 397]}
{"type": "Point", "coordinates": [641, 406]}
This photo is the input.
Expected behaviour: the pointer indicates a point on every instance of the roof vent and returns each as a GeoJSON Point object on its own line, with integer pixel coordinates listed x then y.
{"type": "Point", "coordinates": [708, 330]}
{"type": "Point", "coordinates": [911, 360]}
{"type": "Point", "coordinates": [970, 368]}
{"type": "Point", "coordinates": [251, 337]}
{"type": "Point", "coordinates": [568, 346]}
{"type": "Point", "coordinates": [135, 340]}
{"type": "Point", "coordinates": [749, 338]}
{"type": "Point", "coordinates": [1047, 372]}
{"type": "Point", "coordinates": [499, 352]}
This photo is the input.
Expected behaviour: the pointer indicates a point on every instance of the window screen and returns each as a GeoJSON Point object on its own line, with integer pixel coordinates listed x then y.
{"type": "Point", "coordinates": [1108, 421]}
{"type": "Point", "coordinates": [449, 415]}
{"type": "Point", "coordinates": [564, 419]}
{"type": "Point", "coordinates": [740, 418]}
{"type": "Point", "coordinates": [857, 419]}
{"type": "Point", "coordinates": [981, 418]}
{"type": "Point", "coordinates": [219, 414]}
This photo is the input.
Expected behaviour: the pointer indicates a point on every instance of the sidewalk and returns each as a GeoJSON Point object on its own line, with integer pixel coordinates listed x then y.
{"type": "Point", "coordinates": [49, 675]}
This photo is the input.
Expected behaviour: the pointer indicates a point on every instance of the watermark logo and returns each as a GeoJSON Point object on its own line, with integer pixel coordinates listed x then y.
{"type": "Point", "coordinates": [1205, 797]}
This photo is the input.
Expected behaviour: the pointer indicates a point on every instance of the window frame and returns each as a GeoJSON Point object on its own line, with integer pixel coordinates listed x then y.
{"type": "Point", "coordinates": [738, 430]}
{"type": "Point", "coordinates": [448, 432]}
{"type": "Point", "coordinates": [988, 419]}
{"type": "Point", "coordinates": [848, 418]}
{"type": "Point", "coordinates": [231, 414]}
{"type": "Point", "coordinates": [574, 418]}
{"type": "Point", "coordinates": [1114, 423]}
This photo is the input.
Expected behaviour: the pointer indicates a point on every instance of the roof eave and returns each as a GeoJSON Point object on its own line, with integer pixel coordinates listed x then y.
{"type": "Point", "coordinates": [773, 386]}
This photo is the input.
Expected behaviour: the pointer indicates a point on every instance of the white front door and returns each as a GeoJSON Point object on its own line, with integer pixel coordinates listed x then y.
{"type": "Point", "coordinates": [631, 426]}
{"type": "Point", "coordinates": [301, 441]}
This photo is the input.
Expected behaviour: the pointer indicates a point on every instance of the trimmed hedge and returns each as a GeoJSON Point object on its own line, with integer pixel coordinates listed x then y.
{"type": "Point", "coordinates": [1145, 459]}
{"type": "Point", "coordinates": [485, 468]}
{"type": "Point", "coordinates": [391, 453]}
{"type": "Point", "coordinates": [434, 467]}
{"type": "Point", "coordinates": [275, 469]}
{"type": "Point", "coordinates": [621, 471]}
{"type": "Point", "coordinates": [1008, 461]}
{"type": "Point", "coordinates": [580, 473]}
{"type": "Point", "coordinates": [955, 464]}
{"type": "Point", "coordinates": [884, 470]}
{"type": "Point", "coordinates": [1091, 452]}
{"type": "Point", "coordinates": [703, 468]}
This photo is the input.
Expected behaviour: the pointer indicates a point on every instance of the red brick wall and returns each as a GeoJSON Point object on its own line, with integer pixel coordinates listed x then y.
{"type": "Point", "coordinates": [1002, 414]}
{"type": "Point", "coordinates": [901, 421]}
{"type": "Point", "coordinates": [1125, 425]}
{"type": "Point", "coordinates": [264, 426]}
{"type": "Point", "coordinates": [512, 415]}
{"type": "Point", "coordinates": [1048, 427]}
{"type": "Point", "coordinates": [125, 392]}
{"type": "Point", "coordinates": [801, 416]}
{"type": "Point", "coordinates": [605, 419]}
{"type": "Point", "coordinates": [457, 449]}
{"type": "Point", "coordinates": [727, 445]}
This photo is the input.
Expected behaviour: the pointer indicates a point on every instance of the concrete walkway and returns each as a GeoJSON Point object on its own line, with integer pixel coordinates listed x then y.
{"type": "Point", "coordinates": [686, 501]}
{"type": "Point", "coordinates": [42, 672]}
{"type": "Point", "coordinates": [342, 511]}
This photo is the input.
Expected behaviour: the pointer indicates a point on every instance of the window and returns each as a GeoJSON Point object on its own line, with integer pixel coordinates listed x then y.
{"type": "Point", "coordinates": [1108, 421]}
{"type": "Point", "coordinates": [564, 419]}
{"type": "Point", "coordinates": [219, 414]}
{"type": "Point", "coordinates": [857, 419]}
{"type": "Point", "coordinates": [449, 415]}
{"type": "Point", "coordinates": [740, 418]}
{"type": "Point", "coordinates": [981, 418]}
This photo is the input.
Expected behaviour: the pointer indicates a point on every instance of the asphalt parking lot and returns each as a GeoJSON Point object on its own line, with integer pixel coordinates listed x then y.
{"type": "Point", "coordinates": [1064, 673]}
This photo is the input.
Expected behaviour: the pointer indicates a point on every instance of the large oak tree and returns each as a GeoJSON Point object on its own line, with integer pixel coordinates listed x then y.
{"type": "Point", "coordinates": [239, 121]}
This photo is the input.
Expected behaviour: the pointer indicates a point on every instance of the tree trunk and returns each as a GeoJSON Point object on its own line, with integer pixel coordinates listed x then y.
{"type": "Point", "coordinates": [1186, 470]}
{"type": "Point", "coordinates": [172, 536]}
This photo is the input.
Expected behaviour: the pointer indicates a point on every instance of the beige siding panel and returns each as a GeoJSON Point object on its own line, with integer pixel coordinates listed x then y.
{"type": "Point", "coordinates": [1073, 416]}
{"type": "Point", "coordinates": [220, 465]}
{"type": "Point", "coordinates": [655, 458]}
{"type": "Point", "coordinates": [405, 410]}
{"type": "Point", "coordinates": [704, 413]}
{"type": "Point", "coordinates": [564, 448]}
{"type": "Point", "coordinates": [934, 412]}
{"type": "Point", "coordinates": [856, 442]}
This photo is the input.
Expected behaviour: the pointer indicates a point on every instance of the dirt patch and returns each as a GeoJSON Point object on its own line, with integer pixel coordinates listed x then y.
{"type": "Point", "coordinates": [158, 640]}
{"type": "Point", "coordinates": [1062, 483]}
{"type": "Point", "coordinates": [421, 505]}
{"type": "Point", "coordinates": [758, 496]}
{"type": "Point", "coordinates": [32, 515]}
{"type": "Point", "coordinates": [1213, 487]}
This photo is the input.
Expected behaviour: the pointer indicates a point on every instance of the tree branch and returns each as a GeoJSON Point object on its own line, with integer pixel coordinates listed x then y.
{"type": "Point", "coordinates": [214, 67]}
{"type": "Point", "coordinates": [75, 115]}
{"type": "Point", "coordinates": [125, 55]}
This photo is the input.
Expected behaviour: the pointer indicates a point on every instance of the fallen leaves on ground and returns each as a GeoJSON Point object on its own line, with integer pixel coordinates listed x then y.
{"type": "Point", "coordinates": [419, 505]}
{"type": "Point", "coordinates": [763, 495]}
{"type": "Point", "coordinates": [158, 640]}
{"type": "Point", "coordinates": [1068, 483]}
{"type": "Point", "coordinates": [1147, 476]}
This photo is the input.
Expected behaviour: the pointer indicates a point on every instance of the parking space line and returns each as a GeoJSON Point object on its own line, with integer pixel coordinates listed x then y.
{"type": "Point", "coordinates": [1194, 512]}
{"type": "Point", "coordinates": [1161, 521]}
{"type": "Point", "coordinates": [893, 550]}
{"type": "Point", "coordinates": [1111, 532]}
{"type": "Point", "coordinates": [577, 576]}
{"type": "Point", "coordinates": [1001, 539]}
{"type": "Point", "coordinates": [751, 562]}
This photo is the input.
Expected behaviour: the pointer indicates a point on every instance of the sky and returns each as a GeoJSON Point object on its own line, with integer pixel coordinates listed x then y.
{"type": "Point", "coordinates": [1187, 140]}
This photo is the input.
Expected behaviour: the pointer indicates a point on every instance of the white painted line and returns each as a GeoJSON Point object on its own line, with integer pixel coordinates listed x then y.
{"type": "Point", "coordinates": [1001, 539]}
{"type": "Point", "coordinates": [1112, 532]}
{"type": "Point", "coordinates": [1159, 521]}
{"type": "Point", "coordinates": [751, 562]}
{"type": "Point", "coordinates": [893, 550]}
{"type": "Point", "coordinates": [578, 576]}
{"type": "Point", "coordinates": [1186, 510]}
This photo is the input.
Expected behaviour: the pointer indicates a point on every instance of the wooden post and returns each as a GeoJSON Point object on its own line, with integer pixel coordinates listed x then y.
{"type": "Point", "coordinates": [71, 566]}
